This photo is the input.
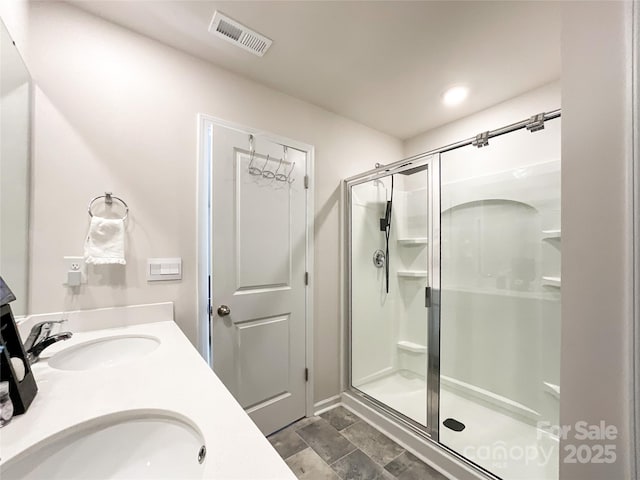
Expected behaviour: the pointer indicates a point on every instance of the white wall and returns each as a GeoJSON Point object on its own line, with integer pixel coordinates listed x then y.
{"type": "Point", "coordinates": [14, 14]}
{"type": "Point", "coordinates": [597, 228]}
{"type": "Point", "coordinates": [117, 111]}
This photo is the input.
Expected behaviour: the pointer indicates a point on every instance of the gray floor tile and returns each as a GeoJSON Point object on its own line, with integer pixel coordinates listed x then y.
{"type": "Point", "coordinates": [358, 466]}
{"type": "Point", "coordinates": [402, 463]}
{"type": "Point", "coordinates": [340, 417]}
{"type": "Point", "coordinates": [409, 467]}
{"type": "Point", "coordinates": [303, 422]}
{"type": "Point", "coordinates": [372, 442]}
{"type": "Point", "coordinates": [326, 441]}
{"type": "Point", "coordinates": [307, 465]}
{"type": "Point", "coordinates": [311, 444]}
{"type": "Point", "coordinates": [287, 442]}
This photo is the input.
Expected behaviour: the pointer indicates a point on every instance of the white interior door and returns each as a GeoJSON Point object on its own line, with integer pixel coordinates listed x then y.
{"type": "Point", "coordinates": [258, 257]}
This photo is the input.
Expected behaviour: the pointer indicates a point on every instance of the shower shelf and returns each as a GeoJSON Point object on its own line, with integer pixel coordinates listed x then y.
{"type": "Point", "coordinates": [551, 281]}
{"type": "Point", "coordinates": [412, 273]}
{"type": "Point", "coordinates": [552, 234]}
{"type": "Point", "coordinates": [413, 241]}
{"type": "Point", "coordinates": [412, 347]}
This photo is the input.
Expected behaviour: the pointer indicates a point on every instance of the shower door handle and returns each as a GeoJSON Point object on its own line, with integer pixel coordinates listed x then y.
{"type": "Point", "coordinates": [223, 310]}
{"type": "Point", "coordinates": [427, 297]}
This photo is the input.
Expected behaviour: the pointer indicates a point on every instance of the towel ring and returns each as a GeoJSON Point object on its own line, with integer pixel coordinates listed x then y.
{"type": "Point", "coordinates": [108, 199]}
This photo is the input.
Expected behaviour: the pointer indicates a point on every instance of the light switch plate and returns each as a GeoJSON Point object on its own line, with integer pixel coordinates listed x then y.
{"type": "Point", "coordinates": [159, 269]}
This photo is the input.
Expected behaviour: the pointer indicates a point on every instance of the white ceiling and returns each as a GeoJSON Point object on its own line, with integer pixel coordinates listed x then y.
{"type": "Point", "coordinates": [383, 64]}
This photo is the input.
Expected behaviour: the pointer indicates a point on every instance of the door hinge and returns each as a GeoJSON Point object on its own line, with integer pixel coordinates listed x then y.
{"type": "Point", "coordinates": [306, 181]}
{"type": "Point", "coordinates": [306, 278]}
{"type": "Point", "coordinates": [427, 297]}
{"type": "Point", "coordinates": [306, 374]}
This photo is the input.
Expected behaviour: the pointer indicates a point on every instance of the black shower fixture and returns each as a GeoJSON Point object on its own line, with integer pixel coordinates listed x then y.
{"type": "Point", "coordinates": [385, 226]}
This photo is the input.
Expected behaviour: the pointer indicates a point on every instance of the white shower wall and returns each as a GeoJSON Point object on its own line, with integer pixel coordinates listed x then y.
{"type": "Point", "coordinates": [389, 330]}
{"type": "Point", "coordinates": [373, 324]}
{"type": "Point", "coordinates": [409, 257]}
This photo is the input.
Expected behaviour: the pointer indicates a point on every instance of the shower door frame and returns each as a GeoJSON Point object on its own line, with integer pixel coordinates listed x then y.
{"type": "Point", "coordinates": [431, 162]}
{"type": "Point", "coordinates": [432, 159]}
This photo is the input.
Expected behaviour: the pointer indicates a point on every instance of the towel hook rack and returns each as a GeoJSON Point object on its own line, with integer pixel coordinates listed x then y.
{"type": "Point", "coordinates": [267, 173]}
{"type": "Point", "coordinates": [108, 199]}
{"type": "Point", "coordinates": [281, 177]}
{"type": "Point", "coordinates": [290, 180]}
{"type": "Point", "coordinates": [252, 150]}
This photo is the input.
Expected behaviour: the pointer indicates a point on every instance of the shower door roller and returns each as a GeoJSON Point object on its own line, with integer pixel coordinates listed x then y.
{"type": "Point", "coordinates": [223, 310]}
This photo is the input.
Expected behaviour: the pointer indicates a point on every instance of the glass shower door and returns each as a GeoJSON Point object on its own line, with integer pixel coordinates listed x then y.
{"type": "Point", "coordinates": [388, 249]}
{"type": "Point", "coordinates": [500, 303]}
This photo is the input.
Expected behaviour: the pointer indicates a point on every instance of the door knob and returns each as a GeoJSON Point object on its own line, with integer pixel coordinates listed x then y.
{"type": "Point", "coordinates": [223, 310]}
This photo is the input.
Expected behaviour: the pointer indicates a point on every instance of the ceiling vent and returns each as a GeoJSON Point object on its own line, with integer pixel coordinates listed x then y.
{"type": "Point", "coordinates": [236, 33]}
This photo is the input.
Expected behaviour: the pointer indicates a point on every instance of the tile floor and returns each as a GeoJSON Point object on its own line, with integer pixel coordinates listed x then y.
{"type": "Point", "coordinates": [339, 445]}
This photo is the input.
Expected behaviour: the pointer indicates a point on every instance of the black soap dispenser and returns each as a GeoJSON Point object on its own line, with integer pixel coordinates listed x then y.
{"type": "Point", "coordinates": [14, 365]}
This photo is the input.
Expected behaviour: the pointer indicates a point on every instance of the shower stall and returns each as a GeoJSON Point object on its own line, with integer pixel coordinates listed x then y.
{"type": "Point", "coordinates": [453, 297]}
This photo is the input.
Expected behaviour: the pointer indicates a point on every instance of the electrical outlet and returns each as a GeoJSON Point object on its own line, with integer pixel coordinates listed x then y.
{"type": "Point", "coordinates": [74, 264]}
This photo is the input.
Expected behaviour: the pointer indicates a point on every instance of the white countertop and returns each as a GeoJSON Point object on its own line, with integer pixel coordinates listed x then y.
{"type": "Point", "coordinates": [173, 377]}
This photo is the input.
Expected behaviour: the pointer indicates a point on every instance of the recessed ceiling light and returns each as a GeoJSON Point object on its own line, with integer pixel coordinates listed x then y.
{"type": "Point", "coordinates": [455, 95]}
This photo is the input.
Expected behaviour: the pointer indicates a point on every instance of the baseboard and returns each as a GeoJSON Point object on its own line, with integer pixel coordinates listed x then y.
{"type": "Point", "coordinates": [326, 404]}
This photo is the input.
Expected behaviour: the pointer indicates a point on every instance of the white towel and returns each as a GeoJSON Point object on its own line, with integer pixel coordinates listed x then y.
{"type": "Point", "coordinates": [105, 241]}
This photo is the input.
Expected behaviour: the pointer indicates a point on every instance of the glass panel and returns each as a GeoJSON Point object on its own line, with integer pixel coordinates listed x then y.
{"type": "Point", "coordinates": [389, 325]}
{"type": "Point", "coordinates": [500, 303]}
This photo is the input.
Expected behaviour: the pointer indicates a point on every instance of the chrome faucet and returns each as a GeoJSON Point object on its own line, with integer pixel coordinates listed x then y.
{"type": "Point", "coordinates": [40, 338]}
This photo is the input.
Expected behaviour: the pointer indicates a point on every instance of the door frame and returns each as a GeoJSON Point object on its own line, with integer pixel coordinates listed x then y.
{"type": "Point", "coordinates": [204, 237]}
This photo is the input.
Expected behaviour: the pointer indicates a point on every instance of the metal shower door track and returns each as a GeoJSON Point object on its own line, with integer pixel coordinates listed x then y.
{"type": "Point", "coordinates": [533, 124]}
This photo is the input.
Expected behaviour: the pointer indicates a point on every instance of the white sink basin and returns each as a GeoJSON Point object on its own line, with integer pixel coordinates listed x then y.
{"type": "Point", "coordinates": [104, 352]}
{"type": "Point", "coordinates": [129, 445]}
